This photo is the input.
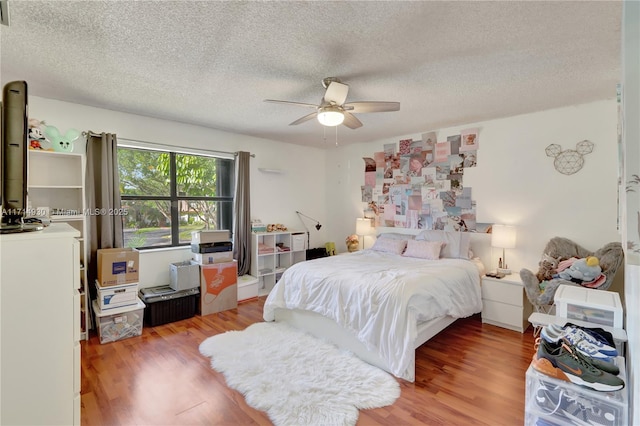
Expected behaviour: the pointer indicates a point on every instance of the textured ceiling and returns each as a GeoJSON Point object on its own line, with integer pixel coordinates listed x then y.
{"type": "Point", "coordinates": [213, 63]}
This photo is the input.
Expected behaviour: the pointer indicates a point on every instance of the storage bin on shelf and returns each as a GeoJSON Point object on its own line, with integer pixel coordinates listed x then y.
{"type": "Point", "coordinates": [562, 403]}
{"type": "Point", "coordinates": [119, 323]}
{"type": "Point", "coordinates": [590, 305]}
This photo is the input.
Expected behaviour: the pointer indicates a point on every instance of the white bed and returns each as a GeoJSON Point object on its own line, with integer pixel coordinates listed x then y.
{"type": "Point", "coordinates": [380, 306]}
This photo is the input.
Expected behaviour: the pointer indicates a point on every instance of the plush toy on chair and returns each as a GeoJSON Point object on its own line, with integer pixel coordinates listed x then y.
{"type": "Point", "coordinates": [540, 292]}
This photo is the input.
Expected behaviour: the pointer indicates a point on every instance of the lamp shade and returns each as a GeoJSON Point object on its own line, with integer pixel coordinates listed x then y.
{"type": "Point", "coordinates": [503, 236]}
{"type": "Point", "coordinates": [363, 226]}
{"type": "Point", "coordinates": [330, 116]}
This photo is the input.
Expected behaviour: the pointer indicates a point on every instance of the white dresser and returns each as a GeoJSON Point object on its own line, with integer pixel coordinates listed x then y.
{"type": "Point", "coordinates": [40, 327]}
{"type": "Point", "coordinates": [504, 302]}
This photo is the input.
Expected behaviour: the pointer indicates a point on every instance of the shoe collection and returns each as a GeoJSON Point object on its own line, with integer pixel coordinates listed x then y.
{"type": "Point", "coordinates": [555, 401]}
{"type": "Point", "coordinates": [578, 355]}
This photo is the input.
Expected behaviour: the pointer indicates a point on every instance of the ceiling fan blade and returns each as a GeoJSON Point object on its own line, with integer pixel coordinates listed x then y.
{"type": "Point", "coordinates": [351, 121]}
{"type": "Point", "coordinates": [274, 101]}
{"type": "Point", "coordinates": [371, 106]}
{"type": "Point", "coordinates": [336, 93]}
{"type": "Point", "coordinates": [305, 118]}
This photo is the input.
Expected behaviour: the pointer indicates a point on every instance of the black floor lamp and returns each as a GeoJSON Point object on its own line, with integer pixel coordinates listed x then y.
{"type": "Point", "coordinates": [318, 226]}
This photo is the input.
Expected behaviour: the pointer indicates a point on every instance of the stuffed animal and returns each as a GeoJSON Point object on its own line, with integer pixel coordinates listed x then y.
{"type": "Point", "coordinates": [36, 137]}
{"type": "Point", "coordinates": [59, 142]}
{"type": "Point", "coordinates": [582, 270]}
{"type": "Point", "coordinates": [547, 267]}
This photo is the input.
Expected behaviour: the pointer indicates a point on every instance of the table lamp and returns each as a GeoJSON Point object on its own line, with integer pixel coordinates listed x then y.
{"type": "Point", "coordinates": [504, 237]}
{"type": "Point", "coordinates": [363, 227]}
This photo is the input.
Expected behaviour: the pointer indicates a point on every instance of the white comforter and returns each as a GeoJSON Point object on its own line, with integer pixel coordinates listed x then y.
{"type": "Point", "coordinates": [380, 297]}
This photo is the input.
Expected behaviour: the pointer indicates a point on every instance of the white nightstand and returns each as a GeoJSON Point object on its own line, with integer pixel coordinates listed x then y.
{"type": "Point", "coordinates": [504, 302]}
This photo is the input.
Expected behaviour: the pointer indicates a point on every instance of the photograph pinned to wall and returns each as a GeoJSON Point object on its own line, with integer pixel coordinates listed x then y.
{"type": "Point", "coordinates": [413, 219]}
{"type": "Point", "coordinates": [416, 147]}
{"type": "Point", "coordinates": [370, 178]}
{"type": "Point", "coordinates": [463, 200]}
{"type": "Point", "coordinates": [470, 159]}
{"type": "Point", "coordinates": [425, 221]}
{"type": "Point", "coordinates": [470, 140]}
{"type": "Point", "coordinates": [367, 193]}
{"type": "Point", "coordinates": [442, 152]}
{"type": "Point", "coordinates": [455, 164]}
{"type": "Point", "coordinates": [379, 175]}
{"type": "Point", "coordinates": [430, 193]}
{"type": "Point", "coordinates": [429, 175]}
{"type": "Point", "coordinates": [389, 150]}
{"type": "Point", "coordinates": [405, 146]}
{"type": "Point", "coordinates": [400, 221]}
{"type": "Point", "coordinates": [456, 181]}
{"type": "Point", "coordinates": [454, 142]}
{"type": "Point", "coordinates": [392, 165]}
{"type": "Point", "coordinates": [442, 170]}
{"type": "Point", "coordinates": [389, 213]}
{"type": "Point", "coordinates": [469, 217]}
{"type": "Point", "coordinates": [369, 164]}
{"type": "Point", "coordinates": [448, 198]}
{"type": "Point", "coordinates": [380, 160]}
{"type": "Point", "coordinates": [417, 180]}
{"type": "Point", "coordinates": [415, 202]}
{"type": "Point", "coordinates": [415, 164]}
{"type": "Point", "coordinates": [429, 139]}
{"type": "Point", "coordinates": [442, 185]}
{"type": "Point", "coordinates": [404, 163]}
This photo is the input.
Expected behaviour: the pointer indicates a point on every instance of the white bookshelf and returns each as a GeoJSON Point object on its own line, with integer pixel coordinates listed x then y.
{"type": "Point", "coordinates": [268, 261]}
{"type": "Point", "coordinates": [56, 182]}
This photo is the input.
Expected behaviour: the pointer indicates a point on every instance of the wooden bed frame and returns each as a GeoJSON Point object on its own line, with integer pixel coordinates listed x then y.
{"type": "Point", "coordinates": [325, 328]}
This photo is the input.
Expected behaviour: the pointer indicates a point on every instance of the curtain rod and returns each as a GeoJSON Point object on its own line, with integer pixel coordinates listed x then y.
{"type": "Point", "coordinates": [166, 145]}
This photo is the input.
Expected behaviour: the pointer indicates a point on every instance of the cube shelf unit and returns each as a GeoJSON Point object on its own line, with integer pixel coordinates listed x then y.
{"type": "Point", "coordinates": [56, 182]}
{"type": "Point", "coordinates": [268, 263]}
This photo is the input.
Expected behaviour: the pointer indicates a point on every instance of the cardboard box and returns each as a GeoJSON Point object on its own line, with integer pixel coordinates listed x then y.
{"type": "Point", "coordinates": [184, 275]}
{"type": "Point", "coordinates": [117, 266]}
{"type": "Point", "coordinates": [120, 323]}
{"type": "Point", "coordinates": [116, 296]}
{"type": "Point", "coordinates": [199, 237]}
{"type": "Point", "coordinates": [218, 287]}
{"type": "Point", "coordinates": [211, 258]}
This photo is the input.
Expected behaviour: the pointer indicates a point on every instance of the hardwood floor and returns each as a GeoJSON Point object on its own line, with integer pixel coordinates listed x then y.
{"type": "Point", "coordinates": [469, 374]}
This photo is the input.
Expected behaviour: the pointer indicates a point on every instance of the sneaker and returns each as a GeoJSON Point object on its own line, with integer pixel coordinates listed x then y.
{"type": "Point", "coordinates": [564, 362]}
{"type": "Point", "coordinates": [554, 401]}
{"type": "Point", "coordinates": [586, 343]}
{"type": "Point", "coordinates": [598, 333]}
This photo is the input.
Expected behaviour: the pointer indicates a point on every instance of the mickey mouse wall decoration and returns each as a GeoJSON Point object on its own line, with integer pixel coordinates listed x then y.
{"type": "Point", "coordinates": [59, 142]}
{"type": "Point", "coordinates": [569, 161]}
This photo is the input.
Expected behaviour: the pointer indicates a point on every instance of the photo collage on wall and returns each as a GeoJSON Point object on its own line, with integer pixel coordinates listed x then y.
{"type": "Point", "coordinates": [419, 183]}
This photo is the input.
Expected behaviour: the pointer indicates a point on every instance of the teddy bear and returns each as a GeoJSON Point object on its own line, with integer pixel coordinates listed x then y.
{"type": "Point", "coordinates": [547, 267]}
{"type": "Point", "coordinates": [582, 270]}
{"type": "Point", "coordinates": [59, 142]}
{"type": "Point", "coordinates": [36, 137]}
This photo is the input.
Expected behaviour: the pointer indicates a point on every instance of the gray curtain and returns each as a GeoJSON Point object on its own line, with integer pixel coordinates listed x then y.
{"type": "Point", "coordinates": [242, 214]}
{"type": "Point", "coordinates": [102, 185]}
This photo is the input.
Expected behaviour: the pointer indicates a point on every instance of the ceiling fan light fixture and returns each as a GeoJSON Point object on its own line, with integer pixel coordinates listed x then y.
{"type": "Point", "coordinates": [330, 116]}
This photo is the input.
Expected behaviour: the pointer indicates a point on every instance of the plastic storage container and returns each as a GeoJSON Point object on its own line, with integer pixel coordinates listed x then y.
{"type": "Point", "coordinates": [119, 323]}
{"type": "Point", "coordinates": [165, 305]}
{"type": "Point", "coordinates": [184, 275]}
{"type": "Point", "coordinates": [558, 402]}
{"type": "Point", "coordinates": [590, 305]}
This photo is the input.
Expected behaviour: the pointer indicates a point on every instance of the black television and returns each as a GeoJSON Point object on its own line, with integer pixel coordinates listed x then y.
{"type": "Point", "coordinates": [13, 158]}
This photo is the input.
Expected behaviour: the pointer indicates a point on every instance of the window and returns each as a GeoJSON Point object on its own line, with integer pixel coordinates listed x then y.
{"type": "Point", "coordinates": [167, 195]}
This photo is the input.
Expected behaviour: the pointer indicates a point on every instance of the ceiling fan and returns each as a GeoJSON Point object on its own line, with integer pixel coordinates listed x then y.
{"type": "Point", "coordinates": [333, 110]}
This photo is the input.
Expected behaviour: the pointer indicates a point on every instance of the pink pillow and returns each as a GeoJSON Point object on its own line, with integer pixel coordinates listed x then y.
{"type": "Point", "coordinates": [424, 249]}
{"type": "Point", "coordinates": [389, 245]}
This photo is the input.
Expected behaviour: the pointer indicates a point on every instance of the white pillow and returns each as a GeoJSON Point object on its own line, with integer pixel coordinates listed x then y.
{"type": "Point", "coordinates": [389, 245]}
{"type": "Point", "coordinates": [456, 243]}
{"type": "Point", "coordinates": [396, 236]}
{"type": "Point", "coordinates": [423, 249]}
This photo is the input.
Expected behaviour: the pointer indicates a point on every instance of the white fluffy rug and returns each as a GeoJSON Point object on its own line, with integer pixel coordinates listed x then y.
{"type": "Point", "coordinates": [296, 378]}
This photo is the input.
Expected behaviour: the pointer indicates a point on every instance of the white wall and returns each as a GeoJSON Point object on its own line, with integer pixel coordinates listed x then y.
{"type": "Point", "coordinates": [631, 200]}
{"type": "Point", "coordinates": [274, 197]}
{"type": "Point", "coordinates": [514, 181]}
